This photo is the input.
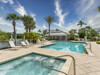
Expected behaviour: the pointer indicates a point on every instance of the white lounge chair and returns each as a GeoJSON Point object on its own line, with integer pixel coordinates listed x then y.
{"type": "Point", "coordinates": [23, 43]}
{"type": "Point", "coordinates": [12, 45]}
{"type": "Point", "coordinates": [27, 42]}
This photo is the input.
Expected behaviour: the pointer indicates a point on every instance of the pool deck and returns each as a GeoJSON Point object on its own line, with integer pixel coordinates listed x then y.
{"type": "Point", "coordinates": [85, 64]}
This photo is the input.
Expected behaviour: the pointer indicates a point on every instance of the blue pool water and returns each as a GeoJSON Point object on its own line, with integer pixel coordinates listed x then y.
{"type": "Point", "coordinates": [66, 46]}
{"type": "Point", "coordinates": [30, 65]}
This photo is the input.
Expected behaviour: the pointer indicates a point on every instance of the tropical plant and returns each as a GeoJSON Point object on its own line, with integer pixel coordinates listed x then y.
{"type": "Point", "coordinates": [32, 36]}
{"type": "Point", "coordinates": [81, 23]}
{"type": "Point", "coordinates": [99, 8]}
{"type": "Point", "coordinates": [49, 20]}
{"type": "Point", "coordinates": [3, 36]}
{"type": "Point", "coordinates": [32, 25]}
{"type": "Point", "coordinates": [82, 32]}
{"type": "Point", "coordinates": [28, 22]}
{"type": "Point", "coordinates": [13, 17]}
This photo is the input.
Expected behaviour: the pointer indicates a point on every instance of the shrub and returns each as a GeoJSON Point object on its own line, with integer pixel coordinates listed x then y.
{"type": "Point", "coordinates": [88, 36]}
{"type": "Point", "coordinates": [93, 39]}
{"type": "Point", "coordinates": [76, 39]}
{"type": "Point", "coordinates": [98, 42]}
{"type": "Point", "coordinates": [32, 36]}
{"type": "Point", "coordinates": [89, 40]}
{"type": "Point", "coordinates": [3, 36]}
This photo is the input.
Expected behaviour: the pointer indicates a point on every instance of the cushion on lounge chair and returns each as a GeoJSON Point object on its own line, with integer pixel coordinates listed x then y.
{"type": "Point", "coordinates": [27, 42]}
{"type": "Point", "coordinates": [23, 43]}
{"type": "Point", "coordinates": [12, 43]}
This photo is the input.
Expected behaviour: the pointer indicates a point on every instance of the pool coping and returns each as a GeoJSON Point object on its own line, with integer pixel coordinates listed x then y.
{"type": "Point", "coordinates": [65, 68]}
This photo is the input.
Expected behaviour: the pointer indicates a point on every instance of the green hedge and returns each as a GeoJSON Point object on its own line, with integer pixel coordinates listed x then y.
{"type": "Point", "coordinates": [98, 42]}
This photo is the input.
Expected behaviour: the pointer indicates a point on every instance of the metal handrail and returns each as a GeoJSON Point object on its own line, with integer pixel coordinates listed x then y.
{"type": "Point", "coordinates": [59, 70]}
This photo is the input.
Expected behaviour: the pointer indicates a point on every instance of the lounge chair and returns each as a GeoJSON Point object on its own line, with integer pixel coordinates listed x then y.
{"type": "Point", "coordinates": [24, 44]}
{"type": "Point", "coordinates": [40, 42]}
{"type": "Point", "coordinates": [82, 39]}
{"type": "Point", "coordinates": [12, 45]}
{"type": "Point", "coordinates": [26, 41]}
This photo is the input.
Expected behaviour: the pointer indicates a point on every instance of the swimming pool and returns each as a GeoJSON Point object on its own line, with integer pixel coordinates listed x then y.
{"type": "Point", "coordinates": [75, 47]}
{"type": "Point", "coordinates": [30, 65]}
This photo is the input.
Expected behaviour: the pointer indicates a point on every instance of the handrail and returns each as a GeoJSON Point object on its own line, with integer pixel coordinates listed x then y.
{"type": "Point", "coordinates": [58, 70]}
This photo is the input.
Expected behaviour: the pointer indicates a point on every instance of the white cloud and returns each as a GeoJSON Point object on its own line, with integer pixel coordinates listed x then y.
{"type": "Point", "coordinates": [4, 22]}
{"type": "Point", "coordinates": [88, 10]}
{"type": "Point", "coordinates": [44, 26]}
{"type": "Point", "coordinates": [59, 14]}
{"type": "Point", "coordinates": [33, 15]}
{"type": "Point", "coordinates": [20, 9]}
{"type": "Point", "coordinates": [7, 1]}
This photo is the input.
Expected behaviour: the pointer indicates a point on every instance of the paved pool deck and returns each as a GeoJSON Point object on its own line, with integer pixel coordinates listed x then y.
{"type": "Point", "coordinates": [85, 64]}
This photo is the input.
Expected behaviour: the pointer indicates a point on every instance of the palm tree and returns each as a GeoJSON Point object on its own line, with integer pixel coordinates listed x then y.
{"type": "Point", "coordinates": [99, 8]}
{"type": "Point", "coordinates": [49, 20]}
{"type": "Point", "coordinates": [13, 17]}
{"type": "Point", "coordinates": [32, 26]}
{"type": "Point", "coordinates": [80, 23]}
{"type": "Point", "coordinates": [28, 22]}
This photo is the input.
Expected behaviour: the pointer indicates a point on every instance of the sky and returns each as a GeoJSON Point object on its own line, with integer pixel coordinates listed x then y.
{"type": "Point", "coordinates": [66, 12]}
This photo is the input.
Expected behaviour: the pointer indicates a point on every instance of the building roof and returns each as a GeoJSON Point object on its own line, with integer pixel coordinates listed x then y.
{"type": "Point", "coordinates": [57, 34]}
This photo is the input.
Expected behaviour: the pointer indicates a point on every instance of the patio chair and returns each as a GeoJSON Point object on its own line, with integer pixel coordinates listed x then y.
{"type": "Point", "coordinates": [13, 46]}
{"type": "Point", "coordinates": [24, 44]}
{"type": "Point", "coordinates": [40, 42]}
{"type": "Point", "coordinates": [26, 41]}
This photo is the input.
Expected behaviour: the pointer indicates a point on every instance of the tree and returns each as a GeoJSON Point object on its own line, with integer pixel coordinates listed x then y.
{"type": "Point", "coordinates": [49, 20]}
{"type": "Point", "coordinates": [93, 32]}
{"type": "Point", "coordinates": [80, 23]}
{"type": "Point", "coordinates": [28, 22]}
{"type": "Point", "coordinates": [82, 32]}
{"type": "Point", "coordinates": [13, 17]}
{"type": "Point", "coordinates": [57, 30]}
{"type": "Point", "coordinates": [39, 31]}
{"type": "Point", "coordinates": [32, 25]}
{"type": "Point", "coordinates": [72, 34]}
{"type": "Point", "coordinates": [88, 28]}
{"type": "Point", "coordinates": [44, 32]}
{"type": "Point", "coordinates": [99, 9]}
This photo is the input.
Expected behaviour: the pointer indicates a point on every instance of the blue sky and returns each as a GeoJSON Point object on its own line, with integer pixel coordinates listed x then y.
{"type": "Point", "coordinates": [66, 12]}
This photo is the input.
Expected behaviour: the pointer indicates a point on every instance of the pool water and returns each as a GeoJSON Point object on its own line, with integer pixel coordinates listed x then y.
{"type": "Point", "coordinates": [67, 46]}
{"type": "Point", "coordinates": [30, 65]}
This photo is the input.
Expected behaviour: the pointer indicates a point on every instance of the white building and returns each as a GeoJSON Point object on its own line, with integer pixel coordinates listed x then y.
{"type": "Point", "coordinates": [60, 34]}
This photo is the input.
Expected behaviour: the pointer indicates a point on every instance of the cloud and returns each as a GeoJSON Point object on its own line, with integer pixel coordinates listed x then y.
{"type": "Point", "coordinates": [44, 26]}
{"type": "Point", "coordinates": [20, 9]}
{"type": "Point", "coordinates": [7, 1]}
{"type": "Point", "coordinates": [88, 11]}
{"type": "Point", "coordinates": [33, 15]}
{"type": "Point", "coordinates": [4, 22]}
{"type": "Point", "coordinates": [59, 14]}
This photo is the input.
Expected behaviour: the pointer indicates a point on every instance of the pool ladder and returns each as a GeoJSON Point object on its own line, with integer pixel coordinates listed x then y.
{"type": "Point", "coordinates": [59, 70]}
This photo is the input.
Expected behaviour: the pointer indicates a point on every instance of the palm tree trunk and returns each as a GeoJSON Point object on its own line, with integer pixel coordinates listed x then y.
{"type": "Point", "coordinates": [14, 26]}
{"type": "Point", "coordinates": [49, 31]}
{"type": "Point", "coordinates": [29, 29]}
